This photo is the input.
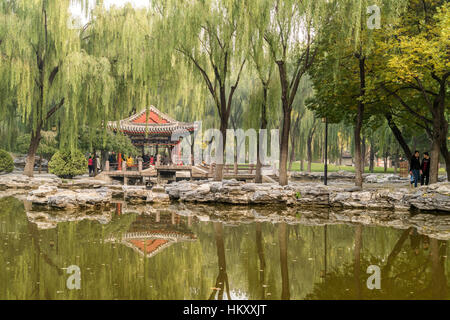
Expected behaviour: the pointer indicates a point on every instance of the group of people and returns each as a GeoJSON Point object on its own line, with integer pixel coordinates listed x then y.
{"type": "Point", "coordinates": [420, 170]}
{"type": "Point", "coordinates": [148, 160]}
{"type": "Point", "coordinates": [93, 161]}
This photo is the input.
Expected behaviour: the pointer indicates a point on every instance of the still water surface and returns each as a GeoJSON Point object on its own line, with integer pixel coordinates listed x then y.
{"type": "Point", "coordinates": [162, 255]}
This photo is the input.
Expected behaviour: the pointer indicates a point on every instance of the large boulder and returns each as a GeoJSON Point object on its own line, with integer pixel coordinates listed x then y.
{"type": "Point", "coordinates": [432, 198]}
{"type": "Point", "coordinates": [19, 181]}
{"type": "Point", "coordinates": [56, 198]}
{"type": "Point", "coordinates": [136, 194]}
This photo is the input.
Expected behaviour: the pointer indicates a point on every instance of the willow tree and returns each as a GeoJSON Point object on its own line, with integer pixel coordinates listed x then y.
{"type": "Point", "coordinates": [51, 78]}
{"type": "Point", "coordinates": [208, 36]}
{"type": "Point", "coordinates": [344, 60]}
{"type": "Point", "coordinates": [264, 67]}
{"type": "Point", "coordinates": [416, 54]}
{"type": "Point", "coordinates": [288, 27]}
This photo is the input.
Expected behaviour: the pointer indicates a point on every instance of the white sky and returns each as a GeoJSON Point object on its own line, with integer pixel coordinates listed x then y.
{"type": "Point", "coordinates": [78, 14]}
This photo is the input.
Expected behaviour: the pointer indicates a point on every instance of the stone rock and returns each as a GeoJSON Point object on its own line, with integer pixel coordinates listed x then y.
{"type": "Point", "coordinates": [68, 199]}
{"type": "Point", "coordinates": [433, 198]}
{"type": "Point", "coordinates": [19, 181]}
{"type": "Point", "coordinates": [136, 194]}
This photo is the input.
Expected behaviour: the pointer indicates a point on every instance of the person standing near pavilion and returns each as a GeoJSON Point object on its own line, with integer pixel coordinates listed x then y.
{"type": "Point", "coordinates": [152, 160]}
{"type": "Point", "coordinates": [130, 162]}
{"type": "Point", "coordinates": [414, 167]}
{"type": "Point", "coordinates": [425, 167]}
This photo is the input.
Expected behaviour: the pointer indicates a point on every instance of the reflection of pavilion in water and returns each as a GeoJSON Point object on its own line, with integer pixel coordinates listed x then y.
{"type": "Point", "coordinates": [151, 234]}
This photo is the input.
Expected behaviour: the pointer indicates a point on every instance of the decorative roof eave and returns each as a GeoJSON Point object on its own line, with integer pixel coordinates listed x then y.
{"type": "Point", "coordinates": [172, 126]}
{"type": "Point", "coordinates": [150, 109]}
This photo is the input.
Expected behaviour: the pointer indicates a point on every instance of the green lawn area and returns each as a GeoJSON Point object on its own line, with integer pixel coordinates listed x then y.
{"type": "Point", "coordinates": [318, 167]}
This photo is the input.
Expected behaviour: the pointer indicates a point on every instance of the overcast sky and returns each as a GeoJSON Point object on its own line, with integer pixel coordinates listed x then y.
{"type": "Point", "coordinates": [78, 14]}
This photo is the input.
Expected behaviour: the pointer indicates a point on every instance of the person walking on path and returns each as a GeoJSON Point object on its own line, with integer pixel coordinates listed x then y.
{"type": "Point", "coordinates": [91, 166]}
{"type": "Point", "coordinates": [414, 167]}
{"type": "Point", "coordinates": [425, 167]}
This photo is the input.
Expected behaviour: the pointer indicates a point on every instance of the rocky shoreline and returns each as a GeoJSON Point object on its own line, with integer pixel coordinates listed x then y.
{"type": "Point", "coordinates": [56, 193]}
{"type": "Point", "coordinates": [346, 176]}
{"type": "Point", "coordinates": [434, 226]}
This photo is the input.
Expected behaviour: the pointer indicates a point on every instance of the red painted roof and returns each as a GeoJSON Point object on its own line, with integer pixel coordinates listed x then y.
{"type": "Point", "coordinates": [157, 123]}
{"type": "Point", "coordinates": [153, 118]}
{"type": "Point", "coordinates": [150, 245]}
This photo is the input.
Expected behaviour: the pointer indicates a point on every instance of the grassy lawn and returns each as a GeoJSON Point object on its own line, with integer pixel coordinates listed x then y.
{"type": "Point", "coordinates": [318, 167]}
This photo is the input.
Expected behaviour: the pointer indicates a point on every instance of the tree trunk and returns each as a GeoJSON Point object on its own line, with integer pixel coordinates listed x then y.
{"type": "Point", "coordinates": [363, 151]}
{"type": "Point", "coordinates": [446, 155]}
{"type": "Point", "coordinates": [40, 163]}
{"type": "Point", "coordinates": [302, 165]}
{"type": "Point", "coordinates": [284, 146]}
{"type": "Point", "coordinates": [372, 157]}
{"type": "Point", "coordinates": [34, 144]}
{"type": "Point", "coordinates": [396, 161]}
{"type": "Point", "coordinates": [258, 174]}
{"type": "Point", "coordinates": [440, 132]}
{"type": "Point", "coordinates": [104, 156]}
{"type": "Point", "coordinates": [309, 149]}
{"type": "Point", "coordinates": [293, 140]}
{"type": "Point", "coordinates": [358, 125]}
{"type": "Point", "coordinates": [399, 136]}
{"type": "Point", "coordinates": [434, 166]}
{"type": "Point", "coordinates": [95, 164]}
{"type": "Point", "coordinates": [218, 176]}
{"type": "Point", "coordinates": [235, 160]}
{"type": "Point", "coordinates": [386, 155]}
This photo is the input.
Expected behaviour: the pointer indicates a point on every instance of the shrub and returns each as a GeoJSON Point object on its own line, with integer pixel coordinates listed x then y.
{"type": "Point", "coordinates": [6, 162]}
{"type": "Point", "coordinates": [67, 164]}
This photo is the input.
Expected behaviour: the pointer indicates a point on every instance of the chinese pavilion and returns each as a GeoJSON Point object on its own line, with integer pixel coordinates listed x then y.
{"type": "Point", "coordinates": [151, 234]}
{"type": "Point", "coordinates": [153, 129]}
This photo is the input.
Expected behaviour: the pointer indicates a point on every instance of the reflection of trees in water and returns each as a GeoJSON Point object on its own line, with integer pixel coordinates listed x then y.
{"type": "Point", "coordinates": [411, 271]}
{"type": "Point", "coordinates": [283, 243]}
{"type": "Point", "coordinates": [35, 258]}
{"type": "Point", "coordinates": [262, 259]}
{"type": "Point", "coordinates": [222, 279]}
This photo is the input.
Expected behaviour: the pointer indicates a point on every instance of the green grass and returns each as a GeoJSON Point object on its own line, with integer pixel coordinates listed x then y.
{"type": "Point", "coordinates": [319, 167]}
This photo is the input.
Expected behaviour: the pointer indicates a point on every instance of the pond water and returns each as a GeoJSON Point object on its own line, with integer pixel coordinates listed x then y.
{"type": "Point", "coordinates": [165, 255]}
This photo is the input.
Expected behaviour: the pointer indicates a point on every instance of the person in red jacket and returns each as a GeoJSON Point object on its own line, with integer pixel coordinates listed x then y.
{"type": "Point", "coordinates": [425, 167]}
{"type": "Point", "coordinates": [91, 166]}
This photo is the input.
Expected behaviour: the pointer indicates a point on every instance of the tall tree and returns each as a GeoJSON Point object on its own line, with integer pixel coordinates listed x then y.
{"type": "Point", "coordinates": [288, 28]}
{"type": "Point", "coordinates": [48, 70]}
{"type": "Point", "coordinates": [345, 61]}
{"type": "Point", "coordinates": [416, 55]}
{"type": "Point", "coordinates": [208, 35]}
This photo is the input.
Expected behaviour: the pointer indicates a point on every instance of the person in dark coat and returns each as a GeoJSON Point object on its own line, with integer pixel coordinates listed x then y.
{"type": "Point", "coordinates": [425, 167]}
{"type": "Point", "coordinates": [414, 167]}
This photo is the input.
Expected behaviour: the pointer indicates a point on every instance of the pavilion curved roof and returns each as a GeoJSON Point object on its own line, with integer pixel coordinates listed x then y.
{"type": "Point", "coordinates": [150, 121]}
{"type": "Point", "coordinates": [150, 243]}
